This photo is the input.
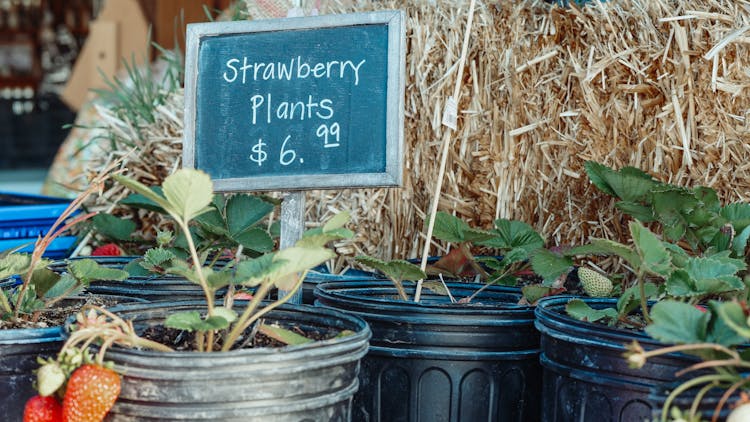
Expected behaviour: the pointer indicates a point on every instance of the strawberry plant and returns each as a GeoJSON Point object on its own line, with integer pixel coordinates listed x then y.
{"type": "Point", "coordinates": [716, 335]}
{"type": "Point", "coordinates": [692, 215]}
{"type": "Point", "coordinates": [40, 288]}
{"type": "Point", "coordinates": [187, 197]}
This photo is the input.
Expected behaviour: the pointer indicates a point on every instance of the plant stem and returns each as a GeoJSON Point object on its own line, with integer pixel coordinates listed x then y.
{"type": "Point", "coordinates": [688, 385]}
{"type": "Point", "coordinates": [237, 330]}
{"type": "Point", "coordinates": [248, 318]}
{"type": "Point", "coordinates": [5, 303]}
{"type": "Point", "coordinates": [644, 299]}
{"type": "Point", "coordinates": [400, 289]}
{"type": "Point", "coordinates": [197, 264]}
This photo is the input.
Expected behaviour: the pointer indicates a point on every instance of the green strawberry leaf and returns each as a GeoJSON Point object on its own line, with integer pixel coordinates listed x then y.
{"type": "Point", "coordinates": [397, 270]}
{"type": "Point", "coordinates": [652, 252]}
{"type": "Point", "coordinates": [113, 227]}
{"type": "Point", "coordinates": [630, 299]}
{"type": "Point", "coordinates": [450, 228]}
{"type": "Point", "coordinates": [14, 264]}
{"type": "Point", "coordinates": [513, 234]}
{"type": "Point", "coordinates": [607, 247]}
{"type": "Point", "coordinates": [43, 280]}
{"type": "Point", "coordinates": [137, 200]}
{"type": "Point", "coordinates": [283, 335]}
{"type": "Point", "coordinates": [642, 213]}
{"type": "Point", "coordinates": [722, 331]}
{"type": "Point", "coordinates": [66, 285]}
{"type": "Point", "coordinates": [189, 192]}
{"type": "Point", "coordinates": [533, 292]}
{"type": "Point", "coordinates": [192, 321]}
{"type": "Point", "coordinates": [581, 311]}
{"type": "Point", "coordinates": [629, 184]}
{"type": "Point", "coordinates": [550, 265]}
{"type": "Point", "coordinates": [255, 239]}
{"type": "Point", "coordinates": [733, 316]}
{"type": "Point", "coordinates": [88, 270]}
{"type": "Point", "coordinates": [678, 323]}
{"type": "Point", "coordinates": [245, 211]}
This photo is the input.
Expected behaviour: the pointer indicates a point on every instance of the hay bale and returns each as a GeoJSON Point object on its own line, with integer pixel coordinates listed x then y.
{"type": "Point", "coordinates": [660, 85]}
{"type": "Point", "coordinates": [663, 86]}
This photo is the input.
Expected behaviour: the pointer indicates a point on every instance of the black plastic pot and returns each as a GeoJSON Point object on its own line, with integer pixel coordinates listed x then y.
{"type": "Point", "coordinates": [19, 349]}
{"type": "Point", "coordinates": [437, 361]}
{"type": "Point", "coordinates": [321, 275]}
{"type": "Point", "coordinates": [586, 377]}
{"type": "Point", "coordinates": [151, 288]}
{"type": "Point", "coordinates": [116, 262]}
{"type": "Point", "coordinates": [310, 382]}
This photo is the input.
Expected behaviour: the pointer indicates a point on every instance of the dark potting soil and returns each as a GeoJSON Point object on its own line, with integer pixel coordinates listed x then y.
{"type": "Point", "coordinates": [56, 315]}
{"type": "Point", "coordinates": [184, 341]}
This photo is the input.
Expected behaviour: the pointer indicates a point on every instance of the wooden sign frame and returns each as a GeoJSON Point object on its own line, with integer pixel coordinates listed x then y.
{"type": "Point", "coordinates": [396, 51]}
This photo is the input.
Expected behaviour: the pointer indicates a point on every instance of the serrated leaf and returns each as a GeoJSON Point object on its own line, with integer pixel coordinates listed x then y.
{"type": "Point", "coordinates": [14, 264]}
{"type": "Point", "coordinates": [512, 234]}
{"type": "Point", "coordinates": [137, 200]}
{"type": "Point", "coordinates": [88, 270]}
{"type": "Point", "coordinates": [607, 247]}
{"type": "Point", "coordinates": [711, 275]}
{"type": "Point", "coordinates": [533, 292]}
{"type": "Point", "coordinates": [654, 256]}
{"type": "Point", "coordinates": [219, 279]}
{"type": "Point", "coordinates": [244, 211]}
{"type": "Point", "coordinates": [740, 242]}
{"type": "Point", "coordinates": [630, 299]}
{"type": "Point", "coordinates": [629, 184]}
{"type": "Point", "coordinates": [581, 311]}
{"type": "Point", "coordinates": [643, 213]}
{"type": "Point", "coordinates": [296, 260]}
{"type": "Point", "coordinates": [213, 222]}
{"type": "Point", "coordinates": [226, 313]}
{"type": "Point", "coordinates": [317, 238]}
{"type": "Point", "coordinates": [158, 256]}
{"type": "Point", "coordinates": [43, 280]}
{"type": "Point", "coordinates": [550, 265]}
{"type": "Point", "coordinates": [449, 228]}
{"type": "Point", "coordinates": [337, 221]}
{"type": "Point", "coordinates": [395, 270]}
{"type": "Point", "coordinates": [135, 269]}
{"type": "Point", "coordinates": [283, 335]}
{"type": "Point", "coordinates": [189, 192]}
{"type": "Point", "coordinates": [143, 190]}
{"type": "Point", "coordinates": [255, 239]}
{"type": "Point", "coordinates": [192, 321]}
{"type": "Point", "coordinates": [732, 314]}
{"type": "Point", "coordinates": [252, 272]}
{"type": "Point", "coordinates": [679, 284]}
{"type": "Point", "coordinates": [436, 287]}
{"type": "Point", "coordinates": [720, 331]}
{"type": "Point", "coordinates": [678, 323]}
{"type": "Point", "coordinates": [63, 287]}
{"type": "Point", "coordinates": [738, 214]}
{"type": "Point", "coordinates": [113, 227]}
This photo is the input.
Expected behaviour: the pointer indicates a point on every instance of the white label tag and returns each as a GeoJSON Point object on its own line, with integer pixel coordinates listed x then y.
{"type": "Point", "coordinates": [450, 113]}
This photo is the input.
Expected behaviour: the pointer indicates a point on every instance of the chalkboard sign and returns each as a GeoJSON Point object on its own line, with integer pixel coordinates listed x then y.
{"type": "Point", "coordinates": [296, 103]}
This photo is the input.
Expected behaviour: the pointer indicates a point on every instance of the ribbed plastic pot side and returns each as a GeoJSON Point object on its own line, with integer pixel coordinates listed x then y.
{"type": "Point", "coordinates": [442, 361]}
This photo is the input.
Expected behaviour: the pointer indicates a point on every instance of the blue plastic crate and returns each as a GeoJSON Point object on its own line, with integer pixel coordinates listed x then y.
{"type": "Point", "coordinates": [24, 218]}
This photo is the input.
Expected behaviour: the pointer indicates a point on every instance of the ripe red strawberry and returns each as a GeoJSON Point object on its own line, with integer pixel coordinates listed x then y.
{"type": "Point", "coordinates": [110, 249]}
{"type": "Point", "coordinates": [91, 392]}
{"type": "Point", "coordinates": [42, 409]}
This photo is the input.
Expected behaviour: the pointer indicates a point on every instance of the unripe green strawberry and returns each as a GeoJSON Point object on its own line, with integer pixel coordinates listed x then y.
{"type": "Point", "coordinates": [594, 284]}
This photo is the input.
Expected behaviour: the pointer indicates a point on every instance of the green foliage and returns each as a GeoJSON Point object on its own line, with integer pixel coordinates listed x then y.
{"type": "Point", "coordinates": [681, 323]}
{"type": "Point", "coordinates": [581, 311]}
{"type": "Point", "coordinates": [450, 228]}
{"type": "Point", "coordinates": [396, 270]}
{"type": "Point", "coordinates": [693, 215]}
{"type": "Point", "coordinates": [113, 227]}
{"type": "Point", "coordinates": [550, 265]}
{"type": "Point", "coordinates": [187, 196]}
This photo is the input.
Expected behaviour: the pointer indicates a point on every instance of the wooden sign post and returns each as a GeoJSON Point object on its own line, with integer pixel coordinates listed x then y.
{"type": "Point", "coordinates": [296, 103]}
